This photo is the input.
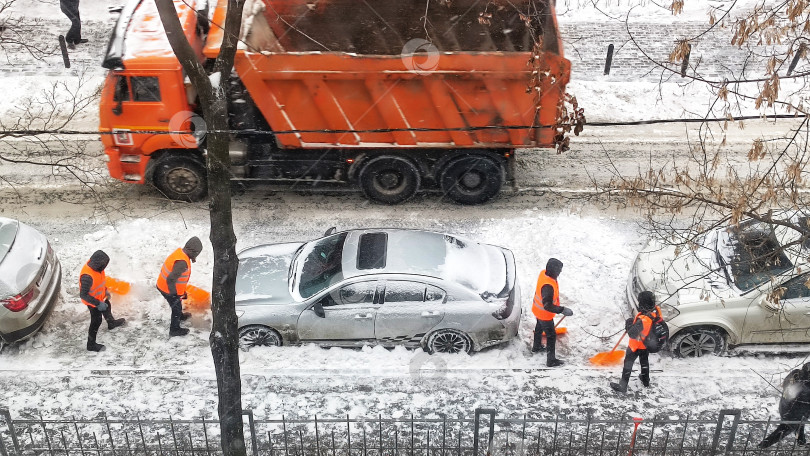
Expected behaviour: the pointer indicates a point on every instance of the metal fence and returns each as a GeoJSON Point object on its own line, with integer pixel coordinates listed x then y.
{"type": "Point", "coordinates": [482, 433]}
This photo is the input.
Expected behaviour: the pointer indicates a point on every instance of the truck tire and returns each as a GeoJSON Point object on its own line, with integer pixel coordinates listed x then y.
{"type": "Point", "coordinates": [181, 178]}
{"type": "Point", "coordinates": [389, 179]}
{"type": "Point", "coordinates": [473, 179]}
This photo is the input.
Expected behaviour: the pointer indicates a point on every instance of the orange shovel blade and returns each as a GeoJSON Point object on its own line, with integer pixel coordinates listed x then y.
{"type": "Point", "coordinates": [118, 287]}
{"type": "Point", "coordinates": [198, 299]}
{"type": "Point", "coordinates": [561, 330]}
{"type": "Point", "coordinates": [610, 358]}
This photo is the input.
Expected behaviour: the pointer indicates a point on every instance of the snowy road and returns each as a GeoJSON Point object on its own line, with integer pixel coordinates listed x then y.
{"type": "Point", "coordinates": [597, 156]}
{"type": "Point", "coordinates": [144, 371]}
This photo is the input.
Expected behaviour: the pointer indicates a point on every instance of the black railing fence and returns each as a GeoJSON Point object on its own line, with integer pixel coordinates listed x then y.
{"type": "Point", "coordinates": [482, 433]}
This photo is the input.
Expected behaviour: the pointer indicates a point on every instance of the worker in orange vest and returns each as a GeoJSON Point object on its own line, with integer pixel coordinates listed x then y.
{"type": "Point", "coordinates": [647, 313]}
{"type": "Point", "coordinates": [173, 280]}
{"type": "Point", "coordinates": [545, 306]}
{"type": "Point", "coordinates": [93, 293]}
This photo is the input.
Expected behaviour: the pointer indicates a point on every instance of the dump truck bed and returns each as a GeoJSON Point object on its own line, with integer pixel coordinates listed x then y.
{"type": "Point", "coordinates": [340, 74]}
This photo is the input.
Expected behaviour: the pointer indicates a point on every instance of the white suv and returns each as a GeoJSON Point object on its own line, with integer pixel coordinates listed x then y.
{"type": "Point", "coordinates": [745, 284]}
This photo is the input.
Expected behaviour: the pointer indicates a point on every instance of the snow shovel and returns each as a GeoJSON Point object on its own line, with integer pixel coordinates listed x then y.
{"type": "Point", "coordinates": [559, 330]}
{"type": "Point", "coordinates": [118, 287]}
{"type": "Point", "coordinates": [198, 299]}
{"type": "Point", "coordinates": [610, 358]}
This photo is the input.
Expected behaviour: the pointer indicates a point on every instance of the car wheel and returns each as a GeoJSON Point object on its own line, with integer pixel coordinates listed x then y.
{"type": "Point", "coordinates": [449, 341]}
{"type": "Point", "coordinates": [694, 343]}
{"type": "Point", "coordinates": [258, 336]}
{"type": "Point", "coordinates": [389, 179]}
{"type": "Point", "coordinates": [180, 178]}
{"type": "Point", "coordinates": [473, 179]}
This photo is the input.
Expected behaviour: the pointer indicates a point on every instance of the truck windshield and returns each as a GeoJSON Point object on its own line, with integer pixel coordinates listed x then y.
{"type": "Point", "coordinates": [751, 254]}
{"type": "Point", "coordinates": [322, 265]}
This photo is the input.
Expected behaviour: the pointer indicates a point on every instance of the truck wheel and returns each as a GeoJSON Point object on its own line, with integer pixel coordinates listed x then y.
{"type": "Point", "coordinates": [472, 179]}
{"type": "Point", "coordinates": [181, 179]}
{"type": "Point", "coordinates": [389, 179]}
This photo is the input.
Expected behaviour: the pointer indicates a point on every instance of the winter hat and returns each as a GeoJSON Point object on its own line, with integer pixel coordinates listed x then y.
{"type": "Point", "coordinates": [553, 267]}
{"type": "Point", "coordinates": [98, 261]}
{"type": "Point", "coordinates": [193, 248]}
{"type": "Point", "coordinates": [646, 301]}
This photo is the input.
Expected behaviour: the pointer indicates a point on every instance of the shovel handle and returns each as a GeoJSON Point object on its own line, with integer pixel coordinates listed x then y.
{"type": "Point", "coordinates": [560, 321]}
{"type": "Point", "coordinates": [618, 342]}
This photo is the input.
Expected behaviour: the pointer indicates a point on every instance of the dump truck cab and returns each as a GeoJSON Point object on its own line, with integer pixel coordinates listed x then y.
{"type": "Point", "coordinates": [146, 96]}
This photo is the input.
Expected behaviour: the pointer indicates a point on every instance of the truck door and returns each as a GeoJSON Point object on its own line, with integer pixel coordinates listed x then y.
{"type": "Point", "coordinates": [139, 100]}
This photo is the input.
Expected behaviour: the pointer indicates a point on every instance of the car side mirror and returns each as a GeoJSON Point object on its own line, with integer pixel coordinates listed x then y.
{"type": "Point", "coordinates": [318, 309]}
{"type": "Point", "coordinates": [772, 301]}
{"type": "Point", "coordinates": [330, 231]}
{"type": "Point", "coordinates": [119, 108]}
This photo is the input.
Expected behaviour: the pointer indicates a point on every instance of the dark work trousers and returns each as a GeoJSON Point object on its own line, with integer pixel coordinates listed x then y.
{"type": "Point", "coordinates": [176, 305]}
{"type": "Point", "coordinates": [95, 322]}
{"type": "Point", "coordinates": [546, 327]}
{"type": "Point", "coordinates": [71, 10]}
{"type": "Point", "coordinates": [629, 358]}
{"type": "Point", "coordinates": [781, 431]}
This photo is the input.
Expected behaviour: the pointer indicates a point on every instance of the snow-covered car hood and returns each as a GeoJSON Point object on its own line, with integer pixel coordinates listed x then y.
{"type": "Point", "coordinates": [263, 274]}
{"type": "Point", "coordinates": [679, 276]}
{"type": "Point", "coordinates": [24, 259]}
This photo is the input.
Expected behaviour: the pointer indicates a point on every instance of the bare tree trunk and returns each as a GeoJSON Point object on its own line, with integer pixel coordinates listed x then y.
{"type": "Point", "coordinates": [224, 340]}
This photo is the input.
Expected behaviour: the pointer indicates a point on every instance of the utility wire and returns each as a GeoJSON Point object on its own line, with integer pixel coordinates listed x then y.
{"type": "Point", "coordinates": [12, 133]}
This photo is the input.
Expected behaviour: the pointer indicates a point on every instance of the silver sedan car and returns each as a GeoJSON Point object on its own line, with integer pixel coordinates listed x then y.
{"type": "Point", "coordinates": [30, 277]}
{"type": "Point", "coordinates": [378, 286]}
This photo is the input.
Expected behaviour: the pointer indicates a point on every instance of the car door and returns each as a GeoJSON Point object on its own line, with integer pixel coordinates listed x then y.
{"type": "Point", "coordinates": [409, 310]}
{"type": "Point", "coordinates": [787, 321]}
{"type": "Point", "coordinates": [349, 314]}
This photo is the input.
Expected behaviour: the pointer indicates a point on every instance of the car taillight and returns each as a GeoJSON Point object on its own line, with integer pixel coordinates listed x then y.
{"type": "Point", "coordinates": [506, 308]}
{"type": "Point", "coordinates": [20, 302]}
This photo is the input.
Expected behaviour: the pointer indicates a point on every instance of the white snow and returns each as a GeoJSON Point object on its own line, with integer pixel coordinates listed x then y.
{"type": "Point", "coordinates": [144, 371]}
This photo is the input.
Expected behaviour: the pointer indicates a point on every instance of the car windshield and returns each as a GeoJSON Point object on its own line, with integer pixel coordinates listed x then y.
{"type": "Point", "coordinates": [751, 254]}
{"type": "Point", "coordinates": [8, 232]}
{"type": "Point", "coordinates": [322, 265]}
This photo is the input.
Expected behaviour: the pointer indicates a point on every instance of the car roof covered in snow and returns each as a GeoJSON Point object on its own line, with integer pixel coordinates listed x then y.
{"type": "Point", "coordinates": [479, 267]}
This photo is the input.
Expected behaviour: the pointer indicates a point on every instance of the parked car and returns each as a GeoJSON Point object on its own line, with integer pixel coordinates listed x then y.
{"type": "Point", "coordinates": [30, 277]}
{"type": "Point", "coordinates": [378, 286]}
{"type": "Point", "coordinates": [744, 284]}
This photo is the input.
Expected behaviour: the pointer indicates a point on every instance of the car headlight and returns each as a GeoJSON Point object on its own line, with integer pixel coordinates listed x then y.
{"type": "Point", "coordinates": [669, 312]}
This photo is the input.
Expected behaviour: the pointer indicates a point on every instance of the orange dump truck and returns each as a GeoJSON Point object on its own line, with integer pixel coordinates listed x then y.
{"type": "Point", "coordinates": [391, 95]}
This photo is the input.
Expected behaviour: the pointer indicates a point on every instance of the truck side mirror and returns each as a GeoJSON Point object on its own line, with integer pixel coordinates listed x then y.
{"type": "Point", "coordinates": [318, 309]}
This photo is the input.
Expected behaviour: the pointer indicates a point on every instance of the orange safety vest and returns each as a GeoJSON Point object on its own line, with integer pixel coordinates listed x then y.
{"type": "Point", "coordinates": [182, 281]}
{"type": "Point", "coordinates": [646, 323]}
{"type": "Point", "coordinates": [98, 289]}
{"type": "Point", "coordinates": [537, 307]}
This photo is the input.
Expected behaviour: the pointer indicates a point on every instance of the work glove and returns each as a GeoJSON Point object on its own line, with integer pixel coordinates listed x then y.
{"type": "Point", "coordinates": [628, 323]}
{"type": "Point", "coordinates": [567, 312]}
{"type": "Point", "coordinates": [103, 306]}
